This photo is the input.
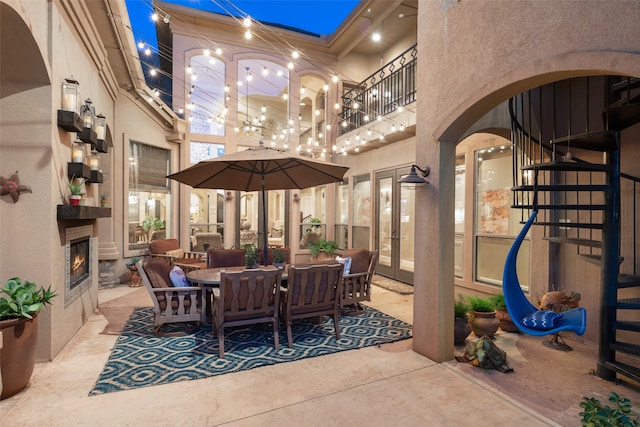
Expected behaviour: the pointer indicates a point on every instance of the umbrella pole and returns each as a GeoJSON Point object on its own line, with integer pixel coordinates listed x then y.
{"type": "Point", "coordinates": [264, 223]}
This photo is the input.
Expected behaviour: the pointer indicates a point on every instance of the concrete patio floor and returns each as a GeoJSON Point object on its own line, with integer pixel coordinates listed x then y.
{"type": "Point", "coordinates": [373, 386]}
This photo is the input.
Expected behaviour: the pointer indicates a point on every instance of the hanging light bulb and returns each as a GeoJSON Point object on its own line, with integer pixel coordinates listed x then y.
{"type": "Point", "coordinates": [290, 65]}
{"type": "Point", "coordinates": [247, 21]}
{"type": "Point", "coordinates": [218, 51]}
{"type": "Point", "coordinates": [153, 72]}
{"type": "Point", "coordinates": [325, 87]}
{"type": "Point", "coordinates": [207, 52]}
{"type": "Point", "coordinates": [147, 51]}
{"type": "Point", "coordinates": [337, 106]}
{"type": "Point", "coordinates": [334, 79]}
{"type": "Point", "coordinates": [154, 17]}
{"type": "Point", "coordinates": [265, 71]}
{"type": "Point", "coordinates": [141, 44]}
{"type": "Point", "coordinates": [247, 34]}
{"type": "Point", "coordinates": [295, 54]}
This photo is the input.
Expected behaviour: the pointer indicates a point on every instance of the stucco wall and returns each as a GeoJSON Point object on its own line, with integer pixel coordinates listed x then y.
{"type": "Point", "coordinates": [473, 56]}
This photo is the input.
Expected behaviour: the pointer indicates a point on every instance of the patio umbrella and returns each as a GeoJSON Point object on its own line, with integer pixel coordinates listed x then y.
{"type": "Point", "coordinates": [260, 169]}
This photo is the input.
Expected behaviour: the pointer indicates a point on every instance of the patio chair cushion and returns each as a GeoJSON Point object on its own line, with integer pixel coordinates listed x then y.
{"type": "Point", "coordinates": [346, 262]}
{"type": "Point", "coordinates": [158, 270]}
{"type": "Point", "coordinates": [541, 320]}
{"type": "Point", "coordinates": [178, 253]}
{"type": "Point", "coordinates": [359, 260]}
{"type": "Point", "coordinates": [178, 278]}
{"type": "Point", "coordinates": [163, 246]}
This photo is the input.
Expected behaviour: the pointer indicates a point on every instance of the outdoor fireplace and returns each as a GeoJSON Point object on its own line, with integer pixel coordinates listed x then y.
{"type": "Point", "coordinates": [79, 261]}
{"type": "Point", "coordinates": [78, 258]}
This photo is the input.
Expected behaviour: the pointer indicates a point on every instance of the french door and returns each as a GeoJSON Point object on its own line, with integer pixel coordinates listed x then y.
{"type": "Point", "coordinates": [394, 218]}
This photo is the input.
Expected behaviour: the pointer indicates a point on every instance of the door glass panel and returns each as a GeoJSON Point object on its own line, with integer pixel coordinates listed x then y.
{"type": "Point", "coordinates": [248, 224]}
{"type": "Point", "coordinates": [407, 207]}
{"type": "Point", "coordinates": [385, 209]}
{"type": "Point", "coordinates": [312, 215]}
{"type": "Point", "coordinates": [342, 215]}
{"type": "Point", "coordinates": [361, 211]}
{"type": "Point", "coordinates": [276, 218]}
{"type": "Point", "coordinates": [206, 214]}
{"type": "Point", "coordinates": [459, 216]}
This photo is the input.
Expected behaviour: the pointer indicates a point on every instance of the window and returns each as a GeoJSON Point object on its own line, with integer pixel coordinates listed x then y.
{"type": "Point", "coordinates": [496, 225]}
{"type": "Point", "coordinates": [207, 107]}
{"type": "Point", "coordinates": [149, 195]}
{"type": "Point", "coordinates": [313, 208]}
{"type": "Point", "coordinates": [460, 176]}
{"type": "Point", "coordinates": [342, 215]}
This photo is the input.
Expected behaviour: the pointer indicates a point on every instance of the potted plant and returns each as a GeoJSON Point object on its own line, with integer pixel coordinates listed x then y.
{"type": "Point", "coordinates": [279, 257]}
{"type": "Point", "coordinates": [461, 326]}
{"type": "Point", "coordinates": [151, 223]}
{"type": "Point", "coordinates": [251, 256]}
{"type": "Point", "coordinates": [322, 249]}
{"type": "Point", "coordinates": [506, 324]}
{"type": "Point", "coordinates": [104, 200]}
{"type": "Point", "coordinates": [136, 280]}
{"type": "Point", "coordinates": [596, 414]}
{"type": "Point", "coordinates": [314, 225]}
{"type": "Point", "coordinates": [20, 304]}
{"type": "Point", "coordinates": [483, 316]}
{"type": "Point", "coordinates": [75, 190]}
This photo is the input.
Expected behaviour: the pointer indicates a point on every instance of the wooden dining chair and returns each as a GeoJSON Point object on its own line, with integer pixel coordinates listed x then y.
{"type": "Point", "coordinates": [225, 258]}
{"type": "Point", "coordinates": [313, 290]}
{"type": "Point", "coordinates": [357, 284]}
{"type": "Point", "coordinates": [244, 298]}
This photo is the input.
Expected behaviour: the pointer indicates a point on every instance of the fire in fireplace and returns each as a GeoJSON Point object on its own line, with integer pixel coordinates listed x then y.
{"type": "Point", "coordinates": [78, 261]}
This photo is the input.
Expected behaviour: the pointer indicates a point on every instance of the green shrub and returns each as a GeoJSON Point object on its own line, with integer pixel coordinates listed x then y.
{"type": "Point", "coordinates": [484, 305]}
{"type": "Point", "coordinates": [597, 415]}
{"type": "Point", "coordinates": [498, 301]}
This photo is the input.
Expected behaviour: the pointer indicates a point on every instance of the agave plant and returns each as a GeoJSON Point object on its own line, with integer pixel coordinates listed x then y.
{"type": "Point", "coordinates": [23, 299]}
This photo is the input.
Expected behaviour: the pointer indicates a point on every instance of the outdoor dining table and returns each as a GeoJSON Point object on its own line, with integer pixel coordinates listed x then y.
{"type": "Point", "coordinates": [210, 277]}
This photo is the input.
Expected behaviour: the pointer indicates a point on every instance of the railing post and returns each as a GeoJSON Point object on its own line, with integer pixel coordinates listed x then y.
{"type": "Point", "coordinates": [609, 271]}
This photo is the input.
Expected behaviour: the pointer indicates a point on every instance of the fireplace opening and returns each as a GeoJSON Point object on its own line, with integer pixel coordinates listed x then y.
{"type": "Point", "coordinates": [78, 261]}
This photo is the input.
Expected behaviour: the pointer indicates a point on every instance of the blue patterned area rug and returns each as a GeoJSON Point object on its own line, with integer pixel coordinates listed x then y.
{"type": "Point", "coordinates": [140, 359]}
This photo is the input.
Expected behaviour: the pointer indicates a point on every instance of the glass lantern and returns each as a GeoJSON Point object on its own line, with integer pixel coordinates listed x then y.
{"type": "Point", "coordinates": [70, 95]}
{"type": "Point", "coordinates": [88, 114]}
{"type": "Point", "coordinates": [101, 126]}
{"type": "Point", "coordinates": [77, 151]}
{"type": "Point", "coordinates": [94, 161]}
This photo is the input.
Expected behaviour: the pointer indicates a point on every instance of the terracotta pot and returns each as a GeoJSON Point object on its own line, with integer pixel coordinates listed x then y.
{"type": "Point", "coordinates": [461, 329]}
{"type": "Point", "coordinates": [323, 256]}
{"type": "Point", "coordinates": [483, 323]}
{"type": "Point", "coordinates": [506, 324]}
{"type": "Point", "coordinates": [19, 342]}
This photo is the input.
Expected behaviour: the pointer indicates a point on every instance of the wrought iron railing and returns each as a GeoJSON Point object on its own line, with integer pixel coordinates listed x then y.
{"type": "Point", "coordinates": [383, 92]}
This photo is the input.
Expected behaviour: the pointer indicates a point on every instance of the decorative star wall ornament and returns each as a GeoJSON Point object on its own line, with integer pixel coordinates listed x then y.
{"type": "Point", "coordinates": [12, 187]}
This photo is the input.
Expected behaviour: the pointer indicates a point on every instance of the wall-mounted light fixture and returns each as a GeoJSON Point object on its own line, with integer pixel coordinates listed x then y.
{"type": "Point", "coordinates": [68, 117]}
{"type": "Point", "coordinates": [412, 180]}
{"type": "Point", "coordinates": [296, 197]}
{"type": "Point", "coordinates": [229, 195]}
{"type": "Point", "coordinates": [88, 115]}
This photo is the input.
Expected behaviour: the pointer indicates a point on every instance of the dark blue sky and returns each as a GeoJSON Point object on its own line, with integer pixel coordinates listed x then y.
{"type": "Point", "coordinates": [321, 17]}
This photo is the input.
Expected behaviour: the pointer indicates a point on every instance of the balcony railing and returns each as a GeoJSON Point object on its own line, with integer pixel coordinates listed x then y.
{"type": "Point", "coordinates": [382, 93]}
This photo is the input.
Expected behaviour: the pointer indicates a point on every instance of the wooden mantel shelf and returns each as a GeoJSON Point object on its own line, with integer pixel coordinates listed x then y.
{"type": "Point", "coordinates": [75, 212]}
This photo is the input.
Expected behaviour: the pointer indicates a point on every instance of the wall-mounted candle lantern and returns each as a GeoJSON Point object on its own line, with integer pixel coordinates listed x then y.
{"type": "Point", "coordinates": [94, 161]}
{"type": "Point", "coordinates": [68, 116]}
{"type": "Point", "coordinates": [77, 151]}
{"type": "Point", "coordinates": [88, 115]}
{"type": "Point", "coordinates": [70, 95]}
{"type": "Point", "coordinates": [101, 126]}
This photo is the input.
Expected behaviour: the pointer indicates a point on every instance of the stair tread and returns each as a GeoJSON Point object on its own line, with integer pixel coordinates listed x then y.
{"type": "Point", "coordinates": [629, 303]}
{"type": "Point", "coordinates": [562, 187]}
{"type": "Point", "coordinates": [568, 166]}
{"type": "Point", "coordinates": [597, 259]}
{"type": "Point", "coordinates": [604, 140]}
{"type": "Point", "coordinates": [575, 241]}
{"type": "Point", "coordinates": [624, 369]}
{"type": "Point", "coordinates": [620, 117]}
{"type": "Point", "coordinates": [583, 225]}
{"type": "Point", "coordinates": [626, 347]}
{"type": "Point", "coordinates": [628, 325]}
{"type": "Point", "coordinates": [628, 280]}
{"type": "Point", "coordinates": [563, 207]}
{"type": "Point", "coordinates": [624, 84]}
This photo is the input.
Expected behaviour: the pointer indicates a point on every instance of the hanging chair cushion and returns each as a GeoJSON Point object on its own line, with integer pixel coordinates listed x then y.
{"type": "Point", "coordinates": [541, 320]}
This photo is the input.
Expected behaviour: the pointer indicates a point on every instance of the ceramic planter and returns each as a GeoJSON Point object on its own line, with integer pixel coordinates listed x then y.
{"type": "Point", "coordinates": [461, 329]}
{"type": "Point", "coordinates": [74, 200]}
{"type": "Point", "coordinates": [506, 324]}
{"type": "Point", "coordinates": [19, 342]}
{"type": "Point", "coordinates": [484, 323]}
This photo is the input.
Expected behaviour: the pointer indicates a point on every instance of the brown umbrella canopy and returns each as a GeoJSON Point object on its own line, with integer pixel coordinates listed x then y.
{"type": "Point", "coordinates": [260, 168]}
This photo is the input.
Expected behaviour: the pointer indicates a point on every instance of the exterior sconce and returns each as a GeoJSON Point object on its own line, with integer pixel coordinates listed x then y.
{"type": "Point", "coordinates": [101, 133]}
{"type": "Point", "coordinates": [88, 115]}
{"type": "Point", "coordinates": [412, 180]}
{"type": "Point", "coordinates": [296, 197]}
{"type": "Point", "coordinates": [68, 117]}
{"type": "Point", "coordinates": [70, 95]}
{"type": "Point", "coordinates": [94, 161]}
{"type": "Point", "coordinates": [77, 151]}
{"type": "Point", "coordinates": [229, 195]}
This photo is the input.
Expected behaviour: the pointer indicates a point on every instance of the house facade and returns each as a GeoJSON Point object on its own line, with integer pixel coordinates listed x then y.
{"type": "Point", "coordinates": [447, 109]}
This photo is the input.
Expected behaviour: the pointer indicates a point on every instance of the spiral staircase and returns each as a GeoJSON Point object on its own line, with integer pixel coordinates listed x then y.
{"type": "Point", "coordinates": [567, 139]}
